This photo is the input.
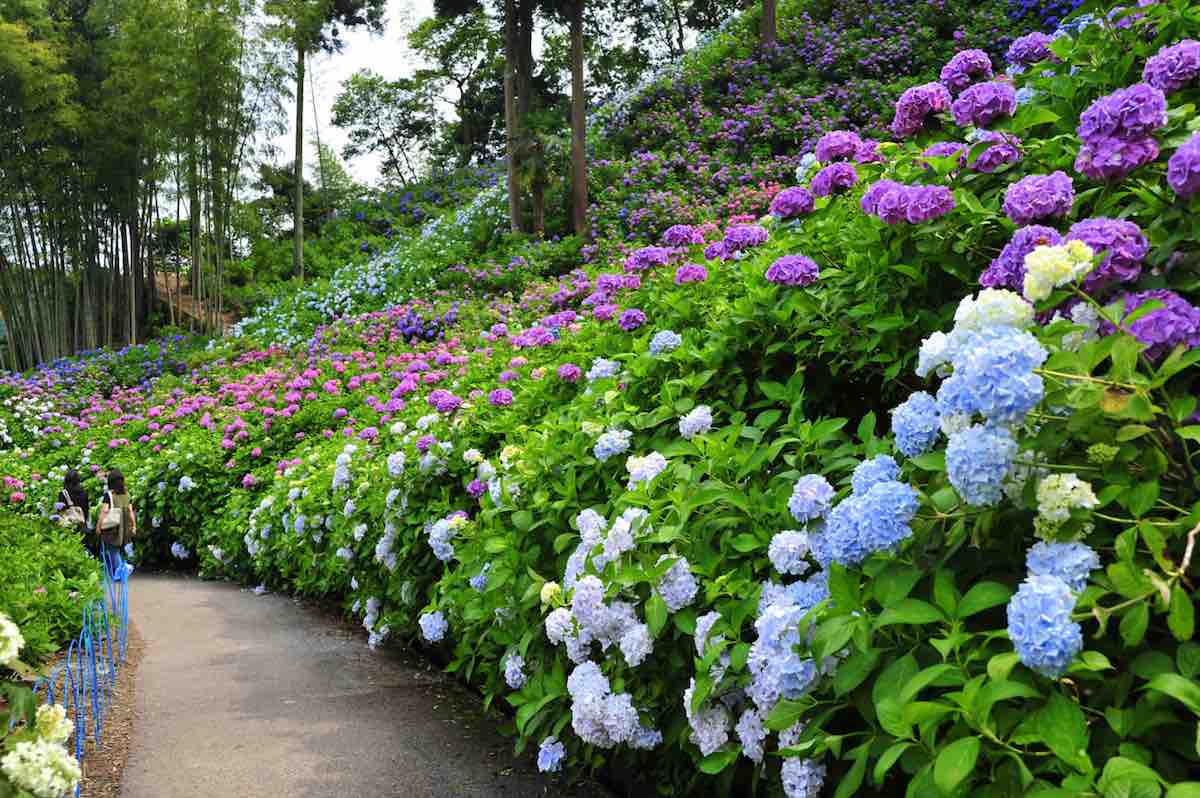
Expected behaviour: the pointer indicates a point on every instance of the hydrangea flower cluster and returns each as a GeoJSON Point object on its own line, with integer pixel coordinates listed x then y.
{"type": "Point", "coordinates": [1183, 168]}
{"type": "Point", "coordinates": [965, 68]}
{"type": "Point", "coordinates": [1161, 330]}
{"type": "Point", "coordinates": [741, 237]}
{"type": "Point", "coordinates": [710, 723]}
{"type": "Point", "coordinates": [1039, 197]}
{"type": "Point", "coordinates": [602, 369]}
{"type": "Point", "coordinates": [896, 202]}
{"type": "Point", "coordinates": [611, 443]}
{"type": "Point", "coordinates": [1050, 267]}
{"type": "Point", "coordinates": [1005, 150]}
{"type": "Point", "coordinates": [1123, 245]}
{"type": "Point", "coordinates": [787, 552]}
{"type": "Point", "coordinates": [978, 459]}
{"type": "Point", "coordinates": [682, 235]}
{"type": "Point", "coordinates": [834, 178]}
{"type": "Point", "coordinates": [11, 641]}
{"type": "Point", "coordinates": [1030, 49]}
{"type": "Point", "coordinates": [690, 273]}
{"type": "Point", "coordinates": [677, 587]}
{"type": "Point", "coordinates": [644, 468]}
{"type": "Point", "coordinates": [514, 671]}
{"type": "Point", "coordinates": [697, 422]}
{"type": "Point", "coordinates": [793, 270]}
{"type": "Point", "coordinates": [983, 103]}
{"type": "Point", "coordinates": [915, 106]}
{"type": "Point", "coordinates": [1174, 67]}
{"type": "Point", "coordinates": [1040, 625]}
{"type": "Point", "coordinates": [874, 518]}
{"type": "Point", "coordinates": [550, 755]}
{"type": "Point", "coordinates": [664, 342]}
{"type": "Point", "coordinates": [777, 670]}
{"type": "Point", "coordinates": [1116, 131]}
{"type": "Point", "coordinates": [41, 767]}
{"type": "Point", "coordinates": [837, 145]}
{"type": "Point", "coordinates": [1071, 562]}
{"type": "Point", "coordinates": [802, 778]}
{"type": "Point", "coordinates": [811, 499]}
{"type": "Point", "coordinates": [916, 424]}
{"type": "Point", "coordinates": [603, 718]}
{"type": "Point", "coordinates": [433, 626]}
{"type": "Point", "coordinates": [1007, 270]}
{"type": "Point", "coordinates": [791, 202]}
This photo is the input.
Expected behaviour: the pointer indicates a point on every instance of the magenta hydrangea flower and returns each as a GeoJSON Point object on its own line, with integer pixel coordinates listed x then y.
{"type": "Point", "coordinates": [1123, 246]}
{"type": "Point", "coordinates": [965, 68]}
{"type": "Point", "coordinates": [1130, 113]}
{"type": "Point", "coordinates": [1161, 330]}
{"type": "Point", "coordinates": [1173, 67]}
{"type": "Point", "coordinates": [793, 270]}
{"type": "Point", "coordinates": [1183, 169]}
{"type": "Point", "coordinates": [740, 237]}
{"type": "Point", "coordinates": [1005, 150]}
{"type": "Point", "coordinates": [1030, 49]}
{"type": "Point", "coordinates": [682, 235]}
{"type": "Point", "coordinates": [791, 202]}
{"type": "Point", "coordinates": [631, 319]}
{"type": "Point", "coordinates": [690, 273]}
{"type": "Point", "coordinates": [1007, 270]}
{"type": "Point", "coordinates": [833, 178]}
{"type": "Point", "coordinates": [1109, 159]}
{"type": "Point", "coordinates": [1039, 197]}
{"type": "Point", "coordinates": [501, 397]}
{"type": "Point", "coordinates": [837, 145]}
{"type": "Point", "coordinates": [569, 372]}
{"type": "Point", "coordinates": [915, 105]}
{"type": "Point", "coordinates": [984, 103]}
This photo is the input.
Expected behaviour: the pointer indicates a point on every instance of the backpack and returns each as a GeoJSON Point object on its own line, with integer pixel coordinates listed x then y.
{"type": "Point", "coordinates": [72, 515]}
{"type": "Point", "coordinates": [116, 524]}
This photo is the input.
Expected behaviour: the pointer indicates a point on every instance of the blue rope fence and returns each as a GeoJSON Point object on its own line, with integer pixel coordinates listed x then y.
{"type": "Point", "coordinates": [85, 680]}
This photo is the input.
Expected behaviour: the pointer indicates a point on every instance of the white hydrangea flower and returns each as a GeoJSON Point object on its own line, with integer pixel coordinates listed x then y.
{"type": "Point", "coordinates": [1057, 495]}
{"type": "Point", "coordinates": [41, 767]}
{"type": "Point", "coordinates": [11, 641]}
{"type": "Point", "coordinates": [993, 307]}
{"type": "Point", "coordinates": [1049, 267]}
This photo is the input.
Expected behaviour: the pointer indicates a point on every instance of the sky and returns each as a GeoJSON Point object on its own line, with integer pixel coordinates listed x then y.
{"type": "Point", "coordinates": [388, 54]}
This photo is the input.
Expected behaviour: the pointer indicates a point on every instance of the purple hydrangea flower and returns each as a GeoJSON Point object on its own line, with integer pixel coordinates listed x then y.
{"type": "Point", "coordinates": [1007, 270]}
{"type": "Point", "coordinates": [1173, 67]}
{"type": "Point", "coordinates": [835, 177]}
{"type": "Point", "coordinates": [927, 202]}
{"type": "Point", "coordinates": [741, 237]}
{"type": "Point", "coordinates": [1108, 159]}
{"type": "Point", "coordinates": [1039, 197]}
{"type": "Point", "coordinates": [916, 104]}
{"type": "Point", "coordinates": [715, 250]}
{"type": "Point", "coordinates": [791, 202]}
{"type": "Point", "coordinates": [605, 312]}
{"type": "Point", "coordinates": [501, 397]}
{"type": "Point", "coordinates": [569, 372]}
{"type": "Point", "coordinates": [984, 103]}
{"type": "Point", "coordinates": [1123, 246]}
{"type": "Point", "coordinates": [1005, 150]}
{"type": "Point", "coordinates": [1030, 49]}
{"type": "Point", "coordinates": [947, 149]}
{"type": "Point", "coordinates": [648, 257]}
{"type": "Point", "coordinates": [1161, 330]}
{"type": "Point", "coordinates": [965, 68]}
{"type": "Point", "coordinates": [870, 198]}
{"type": "Point", "coordinates": [631, 319]}
{"type": "Point", "coordinates": [1130, 113]}
{"type": "Point", "coordinates": [793, 270]}
{"type": "Point", "coordinates": [682, 235]}
{"type": "Point", "coordinates": [1183, 170]}
{"type": "Point", "coordinates": [837, 145]}
{"type": "Point", "coordinates": [868, 152]}
{"type": "Point", "coordinates": [690, 273]}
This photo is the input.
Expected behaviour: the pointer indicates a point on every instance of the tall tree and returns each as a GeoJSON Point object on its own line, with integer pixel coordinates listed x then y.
{"type": "Point", "coordinates": [312, 26]}
{"type": "Point", "coordinates": [395, 118]}
{"type": "Point", "coordinates": [769, 13]}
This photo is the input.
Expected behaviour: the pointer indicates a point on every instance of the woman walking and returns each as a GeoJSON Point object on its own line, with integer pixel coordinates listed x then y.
{"type": "Point", "coordinates": [76, 508]}
{"type": "Point", "coordinates": [117, 525]}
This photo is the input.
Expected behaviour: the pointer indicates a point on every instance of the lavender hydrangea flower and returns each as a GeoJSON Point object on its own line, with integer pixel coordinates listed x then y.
{"type": "Point", "coordinates": [677, 586]}
{"type": "Point", "coordinates": [916, 424]}
{"type": "Point", "coordinates": [1005, 150]}
{"type": "Point", "coordinates": [1183, 169]}
{"type": "Point", "coordinates": [1123, 244]}
{"type": "Point", "coordinates": [868, 152]}
{"type": "Point", "coordinates": [611, 443]}
{"type": "Point", "coordinates": [1161, 330]}
{"type": "Point", "coordinates": [631, 319]}
{"type": "Point", "coordinates": [1071, 562]}
{"type": "Point", "coordinates": [569, 372]}
{"type": "Point", "coordinates": [644, 469]}
{"type": "Point", "coordinates": [1040, 625]}
{"type": "Point", "coordinates": [977, 461]}
{"type": "Point", "coordinates": [752, 733]}
{"type": "Point", "coordinates": [550, 755]}
{"type": "Point", "coordinates": [793, 270]}
{"type": "Point", "coordinates": [690, 273]}
{"type": "Point", "coordinates": [787, 552]}
{"type": "Point", "coordinates": [868, 473]}
{"type": "Point", "coordinates": [915, 105]}
{"type": "Point", "coordinates": [811, 498]}
{"type": "Point", "coordinates": [501, 397]}
{"type": "Point", "coordinates": [514, 671]}
{"type": "Point", "coordinates": [1030, 49]}
{"type": "Point", "coordinates": [1130, 113]}
{"type": "Point", "coordinates": [870, 198]}
{"type": "Point", "coordinates": [682, 235]}
{"type": "Point", "coordinates": [715, 250]}
{"type": "Point", "coordinates": [837, 145]}
{"type": "Point", "coordinates": [925, 203]}
{"type": "Point", "coordinates": [1007, 270]}
{"type": "Point", "coordinates": [802, 778]}
{"type": "Point", "coordinates": [792, 202]}
{"type": "Point", "coordinates": [984, 103]}
{"type": "Point", "coordinates": [697, 422]}
{"type": "Point", "coordinates": [433, 626]}
{"type": "Point", "coordinates": [965, 68]}
{"type": "Point", "coordinates": [664, 342]}
{"type": "Point", "coordinates": [741, 237]}
{"type": "Point", "coordinates": [1039, 197]}
{"type": "Point", "coordinates": [1109, 159]}
{"type": "Point", "coordinates": [636, 644]}
{"type": "Point", "coordinates": [834, 178]}
{"type": "Point", "coordinates": [602, 369]}
{"type": "Point", "coordinates": [1174, 67]}
{"type": "Point", "coordinates": [646, 258]}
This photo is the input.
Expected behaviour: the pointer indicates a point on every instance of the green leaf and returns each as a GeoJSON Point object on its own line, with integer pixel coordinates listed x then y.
{"type": "Point", "coordinates": [930, 461]}
{"type": "Point", "coordinates": [1181, 619]}
{"type": "Point", "coordinates": [522, 520]}
{"type": "Point", "coordinates": [843, 588]}
{"type": "Point", "coordinates": [888, 759]}
{"type": "Point", "coordinates": [1183, 690]}
{"type": "Point", "coordinates": [656, 614]}
{"type": "Point", "coordinates": [527, 711]}
{"type": "Point", "coordinates": [909, 611]}
{"type": "Point", "coordinates": [1139, 499]}
{"type": "Point", "coordinates": [1188, 659]}
{"type": "Point", "coordinates": [923, 679]}
{"type": "Point", "coordinates": [994, 692]}
{"type": "Point", "coordinates": [1062, 726]}
{"type": "Point", "coordinates": [955, 763]}
{"type": "Point", "coordinates": [894, 583]}
{"type": "Point", "coordinates": [785, 714]}
{"type": "Point", "coordinates": [1122, 769]}
{"type": "Point", "coordinates": [853, 779]}
{"type": "Point", "coordinates": [717, 761]}
{"type": "Point", "coordinates": [894, 676]}
{"type": "Point", "coordinates": [746, 543]}
{"type": "Point", "coordinates": [1001, 665]}
{"type": "Point", "coordinates": [1192, 433]}
{"type": "Point", "coordinates": [1184, 789]}
{"type": "Point", "coordinates": [983, 596]}
{"type": "Point", "coordinates": [854, 670]}
{"type": "Point", "coordinates": [1134, 623]}
{"type": "Point", "coordinates": [1131, 431]}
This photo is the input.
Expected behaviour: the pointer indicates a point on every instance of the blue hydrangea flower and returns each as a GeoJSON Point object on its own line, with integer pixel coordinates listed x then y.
{"type": "Point", "coordinates": [994, 372]}
{"type": "Point", "coordinates": [677, 587]}
{"type": "Point", "coordinates": [977, 461]}
{"type": "Point", "coordinates": [433, 626]}
{"type": "Point", "coordinates": [602, 368]}
{"type": "Point", "coordinates": [871, 522]}
{"type": "Point", "coordinates": [881, 468]}
{"type": "Point", "coordinates": [697, 422]}
{"type": "Point", "coordinates": [479, 580]}
{"type": "Point", "coordinates": [1070, 562]}
{"type": "Point", "coordinates": [916, 423]}
{"type": "Point", "coordinates": [665, 342]}
{"type": "Point", "coordinates": [550, 755]}
{"type": "Point", "coordinates": [611, 443]}
{"type": "Point", "coordinates": [1040, 625]}
{"type": "Point", "coordinates": [787, 552]}
{"type": "Point", "coordinates": [811, 498]}
{"type": "Point", "coordinates": [802, 778]}
{"type": "Point", "coordinates": [514, 671]}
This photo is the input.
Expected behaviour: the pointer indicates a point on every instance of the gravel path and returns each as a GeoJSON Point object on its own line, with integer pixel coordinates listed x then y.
{"type": "Point", "coordinates": [243, 696]}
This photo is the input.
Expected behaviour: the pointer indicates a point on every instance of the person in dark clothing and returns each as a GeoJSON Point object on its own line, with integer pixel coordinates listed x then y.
{"type": "Point", "coordinates": [77, 508]}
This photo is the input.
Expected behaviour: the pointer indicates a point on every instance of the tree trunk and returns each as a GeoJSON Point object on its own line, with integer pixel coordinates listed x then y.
{"type": "Point", "coordinates": [510, 113]}
{"type": "Point", "coordinates": [768, 22]}
{"type": "Point", "coordinates": [579, 186]}
{"type": "Point", "coordinates": [298, 215]}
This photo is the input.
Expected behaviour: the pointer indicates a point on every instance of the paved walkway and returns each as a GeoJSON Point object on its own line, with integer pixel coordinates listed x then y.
{"type": "Point", "coordinates": [241, 696]}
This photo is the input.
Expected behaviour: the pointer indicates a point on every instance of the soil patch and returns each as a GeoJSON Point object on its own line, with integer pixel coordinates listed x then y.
{"type": "Point", "coordinates": [104, 766]}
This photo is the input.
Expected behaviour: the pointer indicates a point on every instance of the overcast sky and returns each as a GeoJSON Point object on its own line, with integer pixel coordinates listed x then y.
{"type": "Point", "coordinates": [388, 54]}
